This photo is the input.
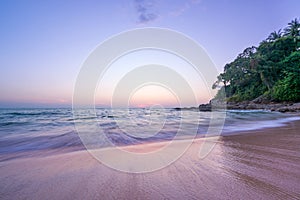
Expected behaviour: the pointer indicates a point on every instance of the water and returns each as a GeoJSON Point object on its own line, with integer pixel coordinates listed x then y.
{"type": "Point", "coordinates": [25, 130]}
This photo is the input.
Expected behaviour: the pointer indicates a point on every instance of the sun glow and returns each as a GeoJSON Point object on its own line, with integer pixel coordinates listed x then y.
{"type": "Point", "coordinates": [152, 95]}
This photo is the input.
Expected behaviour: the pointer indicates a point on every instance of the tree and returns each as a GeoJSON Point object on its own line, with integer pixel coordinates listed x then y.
{"type": "Point", "coordinates": [271, 70]}
{"type": "Point", "coordinates": [274, 35]}
{"type": "Point", "coordinates": [293, 28]}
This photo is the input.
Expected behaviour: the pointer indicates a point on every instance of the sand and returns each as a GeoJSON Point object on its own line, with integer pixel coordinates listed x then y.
{"type": "Point", "coordinates": [261, 164]}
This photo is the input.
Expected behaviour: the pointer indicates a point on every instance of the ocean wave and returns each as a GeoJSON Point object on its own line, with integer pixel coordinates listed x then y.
{"type": "Point", "coordinates": [27, 130]}
{"type": "Point", "coordinates": [29, 143]}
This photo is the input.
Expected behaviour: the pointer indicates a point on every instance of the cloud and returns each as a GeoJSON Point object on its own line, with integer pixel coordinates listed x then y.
{"type": "Point", "coordinates": [146, 11]}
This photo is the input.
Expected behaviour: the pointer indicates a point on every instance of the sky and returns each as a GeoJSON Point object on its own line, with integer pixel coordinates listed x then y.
{"type": "Point", "coordinates": [44, 43]}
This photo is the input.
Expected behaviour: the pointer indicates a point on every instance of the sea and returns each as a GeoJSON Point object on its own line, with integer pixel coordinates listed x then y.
{"type": "Point", "coordinates": [37, 129]}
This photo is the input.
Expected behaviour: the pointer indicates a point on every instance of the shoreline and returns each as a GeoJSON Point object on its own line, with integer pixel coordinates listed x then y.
{"type": "Point", "coordinates": [80, 147]}
{"type": "Point", "coordinates": [249, 105]}
{"type": "Point", "coordinates": [253, 164]}
{"type": "Point", "coordinates": [279, 107]}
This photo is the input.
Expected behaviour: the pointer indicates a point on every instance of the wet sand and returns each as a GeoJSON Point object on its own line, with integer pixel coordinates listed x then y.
{"type": "Point", "coordinates": [261, 164]}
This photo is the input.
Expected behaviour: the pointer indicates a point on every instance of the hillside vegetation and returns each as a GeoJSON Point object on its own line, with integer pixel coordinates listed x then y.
{"type": "Point", "coordinates": [270, 71]}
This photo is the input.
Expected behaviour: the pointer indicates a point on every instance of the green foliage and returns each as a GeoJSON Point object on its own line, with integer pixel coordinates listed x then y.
{"type": "Point", "coordinates": [293, 28]}
{"type": "Point", "coordinates": [288, 88]}
{"type": "Point", "coordinates": [272, 69]}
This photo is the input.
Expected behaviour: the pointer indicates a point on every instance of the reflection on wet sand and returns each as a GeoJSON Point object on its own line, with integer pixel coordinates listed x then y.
{"type": "Point", "coordinates": [261, 164]}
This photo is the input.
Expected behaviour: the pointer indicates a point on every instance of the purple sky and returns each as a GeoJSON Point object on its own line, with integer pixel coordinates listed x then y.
{"type": "Point", "coordinates": [44, 43]}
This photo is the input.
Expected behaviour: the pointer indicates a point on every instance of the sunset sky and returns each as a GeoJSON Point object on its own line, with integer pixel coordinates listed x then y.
{"type": "Point", "coordinates": [44, 43]}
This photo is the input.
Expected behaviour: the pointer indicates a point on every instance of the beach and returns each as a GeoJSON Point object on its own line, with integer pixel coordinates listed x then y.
{"type": "Point", "coordinates": [150, 100]}
{"type": "Point", "coordinates": [257, 164]}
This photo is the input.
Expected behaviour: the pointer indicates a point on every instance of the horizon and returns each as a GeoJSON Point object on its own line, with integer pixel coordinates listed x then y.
{"type": "Point", "coordinates": [86, 107]}
{"type": "Point", "coordinates": [42, 53]}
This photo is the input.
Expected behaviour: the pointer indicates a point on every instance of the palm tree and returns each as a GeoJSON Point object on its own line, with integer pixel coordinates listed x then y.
{"type": "Point", "coordinates": [293, 28]}
{"type": "Point", "coordinates": [275, 35]}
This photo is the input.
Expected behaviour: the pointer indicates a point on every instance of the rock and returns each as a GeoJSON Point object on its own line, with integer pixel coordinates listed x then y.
{"type": "Point", "coordinates": [263, 99]}
{"type": "Point", "coordinates": [246, 105]}
{"type": "Point", "coordinates": [205, 107]}
{"type": "Point", "coordinates": [295, 107]}
{"type": "Point", "coordinates": [186, 108]}
{"type": "Point", "coordinates": [283, 110]}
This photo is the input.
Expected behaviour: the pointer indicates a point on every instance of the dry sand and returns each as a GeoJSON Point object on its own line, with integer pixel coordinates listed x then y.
{"type": "Point", "coordinates": [263, 164]}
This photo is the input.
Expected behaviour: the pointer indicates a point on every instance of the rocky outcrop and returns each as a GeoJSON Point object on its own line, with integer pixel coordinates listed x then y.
{"type": "Point", "coordinates": [290, 108]}
{"type": "Point", "coordinates": [186, 108]}
{"type": "Point", "coordinates": [205, 107]}
{"type": "Point", "coordinates": [212, 105]}
{"type": "Point", "coordinates": [253, 105]}
{"type": "Point", "coordinates": [280, 107]}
